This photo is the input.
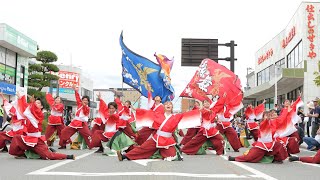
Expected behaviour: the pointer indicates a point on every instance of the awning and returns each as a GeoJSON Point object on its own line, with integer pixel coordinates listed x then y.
{"type": "Point", "coordinates": [289, 80]}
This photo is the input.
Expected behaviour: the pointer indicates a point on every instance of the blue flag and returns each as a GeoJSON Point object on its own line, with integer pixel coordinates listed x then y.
{"type": "Point", "coordinates": [138, 71]}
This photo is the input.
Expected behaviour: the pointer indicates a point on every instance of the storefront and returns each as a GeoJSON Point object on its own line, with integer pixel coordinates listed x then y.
{"type": "Point", "coordinates": [69, 76]}
{"type": "Point", "coordinates": [15, 51]}
{"type": "Point", "coordinates": [286, 64]}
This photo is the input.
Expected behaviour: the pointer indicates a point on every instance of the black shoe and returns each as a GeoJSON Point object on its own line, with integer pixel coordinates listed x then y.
{"type": "Point", "coordinates": [62, 147]}
{"type": "Point", "coordinates": [52, 150]}
{"type": "Point", "coordinates": [314, 148]}
{"type": "Point", "coordinates": [100, 150]}
{"type": "Point", "coordinates": [121, 156]}
{"type": "Point", "coordinates": [21, 157]}
{"type": "Point", "coordinates": [294, 158]}
{"type": "Point", "coordinates": [71, 157]}
{"type": "Point", "coordinates": [236, 150]}
{"type": "Point", "coordinates": [230, 158]}
{"type": "Point", "coordinates": [277, 162]}
{"type": "Point", "coordinates": [4, 150]}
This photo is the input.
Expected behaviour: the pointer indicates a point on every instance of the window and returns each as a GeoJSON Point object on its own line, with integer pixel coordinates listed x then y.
{"type": "Point", "coordinates": [263, 76]}
{"type": "Point", "coordinates": [293, 95]}
{"type": "Point", "coordinates": [281, 99]}
{"type": "Point", "coordinates": [259, 79]}
{"type": "Point", "coordinates": [22, 71]}
{"type": "Point", "coordinates": [294, 58]}
{"type": "Point", "coordinates": [86, 92]}
{"type": "Point", "coordinates": [8, 62]}
{"type": "Point", "coordinates": [281, 63]}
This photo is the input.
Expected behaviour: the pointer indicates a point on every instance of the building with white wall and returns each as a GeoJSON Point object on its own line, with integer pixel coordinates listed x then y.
{"type": "Point", "coordinates": [70, 75]}
{"type": "Point", "coordinates": [16, 49]}
{"type": "Point", "coordinates": [286, 64]}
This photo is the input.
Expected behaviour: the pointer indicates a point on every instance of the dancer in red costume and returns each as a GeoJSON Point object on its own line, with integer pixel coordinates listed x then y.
{"type": "Point", "coordinates": [32, 140]}
{"type": "Point", "coordinates": [112, 129]}
{"type": "Point", "coordinates": [17, 122]}
{"type": "Point", "coordinates": [155, 105]}
{"type": "Point", "coordinates": [126, 117]}
{"type": "Point", "coordinates": [192, 132]}
{"type": "Point", "coordinates": [253, 114]}
{"type": "Point", "coordinates": [55, 120]}
{"type": "Point", "coordinates": [79, 123]}
{"type": "Point", "coordinates": [163, 140]}
{"type": "Point", "coordinates": [265, 145]}
{"type": "Point", "coordinates": [207, 131]}
{"type": "Point", "coordinates": [286, 132]}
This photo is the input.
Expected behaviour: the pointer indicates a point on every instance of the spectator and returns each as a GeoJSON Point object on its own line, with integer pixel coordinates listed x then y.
{"type": "Point", "coordinates": [313, 143]}
{"type": "Point", "coordinates": [308, 120]}
{"type": "Point", "coordinates": [277, 108]}
{"type": "Point", "coordinates": [301, 122]}
{"type": "Point", "coordinates": [69, 117]}
{"type": "Point", "coordinates": [315, 117]}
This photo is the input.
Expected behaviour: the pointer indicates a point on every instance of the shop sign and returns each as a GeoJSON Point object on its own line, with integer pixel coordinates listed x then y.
{"type": "Point", "coordinates": [68, 79]}
{"type": "Point", "coordinates": [8, 88]}
{"type": "Point", "coordinates": [290, 36]}
{"type": "Point", "coordinates": [19, 40]}
{"type": "Point", "coordinates": [311, 32]}
{"type": "Point", "coordinates": [265, 56]}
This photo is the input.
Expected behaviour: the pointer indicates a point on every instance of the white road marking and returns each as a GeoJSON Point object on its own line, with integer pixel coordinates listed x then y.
{"type": "Point", "coordinates": [144, 174]}
{"type": "Point", "coordinates": [144, 162]}
{"type": "Point", "coordinates": [309, 164]}
{"type": "Point", "coordinates": [48, 168]}
{"type": "Point", "coordinates": [305, 150]}
{"type": "Point", "coordinates": [250, 169]}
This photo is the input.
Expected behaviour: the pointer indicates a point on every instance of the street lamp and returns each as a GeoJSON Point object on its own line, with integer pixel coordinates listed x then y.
{"type": "Point", "coordinates": [248, 69]}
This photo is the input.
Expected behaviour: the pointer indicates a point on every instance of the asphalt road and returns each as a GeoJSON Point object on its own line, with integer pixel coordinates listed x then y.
{"type": "Point", "coordinates": [89, 165]}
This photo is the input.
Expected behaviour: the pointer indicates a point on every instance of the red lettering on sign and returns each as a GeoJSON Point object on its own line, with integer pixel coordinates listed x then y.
{"type": "Point", "coordinates": [290, 36]}
{"type": "Point", "coordinates": [311, 36]}
{"type": "Point", "coordinates": [266, 56]}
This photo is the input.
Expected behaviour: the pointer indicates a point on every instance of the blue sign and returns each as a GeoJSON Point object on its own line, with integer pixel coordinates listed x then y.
{"type": "Point", "coordinates": [8, 88]}
{"type": "Point", "coordinates": [64, 90]}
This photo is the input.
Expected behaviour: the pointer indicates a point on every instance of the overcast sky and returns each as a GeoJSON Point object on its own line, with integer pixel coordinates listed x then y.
{"type": "Point", "coordinates": [88, 31]}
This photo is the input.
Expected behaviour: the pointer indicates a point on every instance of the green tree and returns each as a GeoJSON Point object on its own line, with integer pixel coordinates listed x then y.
{"type": "Point", "coordinates": [39, 74]}
{"type": "Point", "coordinates": [317, 79]}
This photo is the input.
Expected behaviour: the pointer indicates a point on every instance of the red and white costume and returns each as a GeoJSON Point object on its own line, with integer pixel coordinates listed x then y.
{"type": "Point", "coordinates": [207, 131]}
{"type": "Point", "coordinates": [265, 145]}
{"type": "Point", "coordinates": [99, 122]}
{"type": "Point", "coordinates": [192, 132]}
{"type": "Point", "coordinates": [17, 124]}
{"type": "Point", "coordinates": [79, 123]}
{"type": "Point", "coordinates": [33, 139]}
{"type": "Point", "coordinates": [110, 126]}
{"type": "Point", "coordinates": [315, 159]}
{"type": "Point", "coordinates": [146, 132]}
{"type": "Point", "coordinates": [162, 139]}
{"type": "Point", "coordinates": [224, 126]}
{"type": "Point", "coordinates": [126, 117]}
{"type": "Point", "coordinates": [286, 132]}
{"type": "Point", "coordinates": [55, 120]}
{"type": "Point", "coordinates": [251, 115]}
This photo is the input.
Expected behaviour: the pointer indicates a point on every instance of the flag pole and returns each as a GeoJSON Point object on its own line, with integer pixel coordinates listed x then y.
{"type": "Point", "coordinates": [136, 100]}
{"type": "Point", "coordinates": [176, 101]}
{"type": "Point", "coordinates": [122, 91]}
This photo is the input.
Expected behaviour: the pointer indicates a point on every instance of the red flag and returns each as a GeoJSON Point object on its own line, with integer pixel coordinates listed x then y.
{"type": "Point", "coordinates": [216, 80]}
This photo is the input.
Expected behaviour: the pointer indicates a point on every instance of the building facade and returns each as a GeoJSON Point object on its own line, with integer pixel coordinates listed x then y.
{"type": "Point", "coordinates": [126, 94]}
{"type": "Point", "coordinates": [187, 104]}
{"type": "Point", "coordinates": [286, 64]}
{"type": "Point", "coordinates": [70, 75]}
{"type": "Point", "coordinates": [16, 49]}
